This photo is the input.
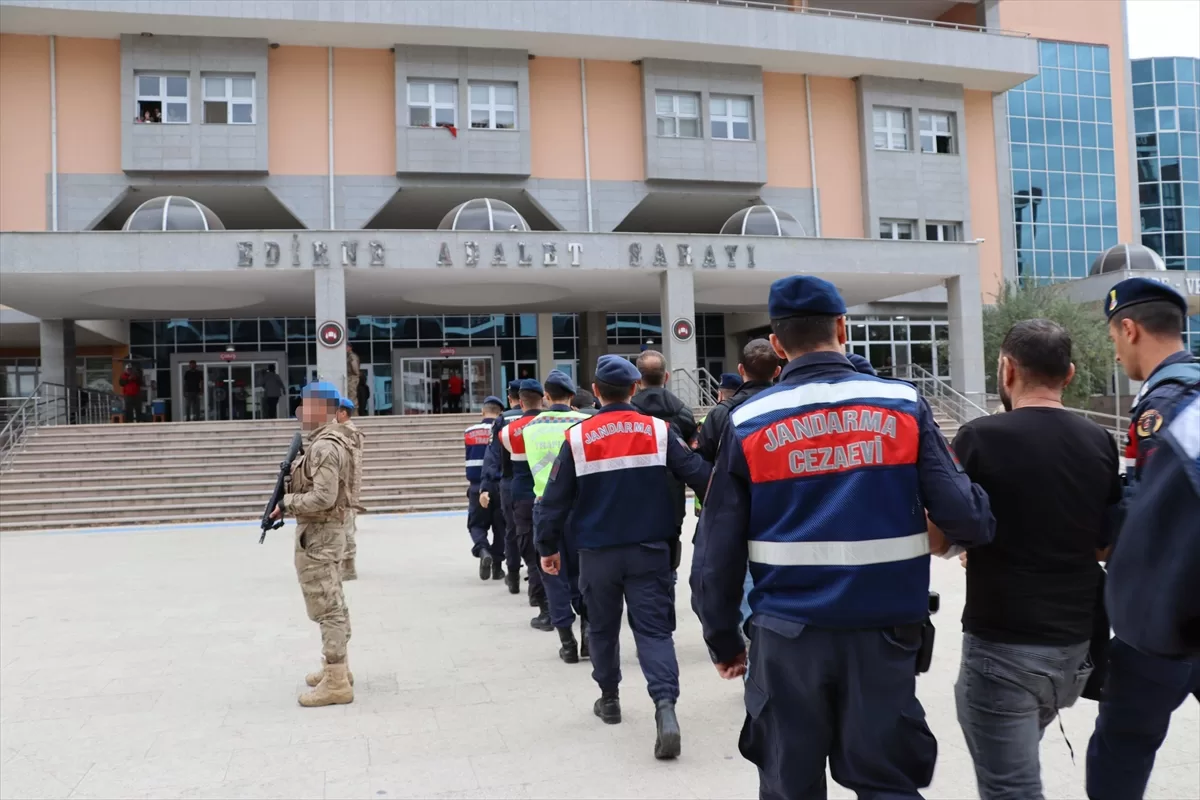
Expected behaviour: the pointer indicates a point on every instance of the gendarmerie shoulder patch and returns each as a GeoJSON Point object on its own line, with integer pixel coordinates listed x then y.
{"type": "Point", "coordinates": [1148, 423]}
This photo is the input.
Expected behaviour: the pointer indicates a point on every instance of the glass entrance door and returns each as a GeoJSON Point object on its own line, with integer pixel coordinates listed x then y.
{"type": "Point", "coordinates": [415, 391]}
{"type": "Point", "coordinates": [217, 383]}
{"type": "Point", "coordinates": [444, 385]}
{"type": "Point", "coordinates": [232, 391]}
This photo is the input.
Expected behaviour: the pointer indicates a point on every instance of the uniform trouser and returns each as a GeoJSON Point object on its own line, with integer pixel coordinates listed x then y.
{"type": "Point", "coordinates": [479, 521]}
{"type": "Point", "coordinates": [848, 696]}
{"type": "Point", "coordinates": [557, 587]}
{"type": "Point", "coordinates": [523, 517]}
{"type": "Point", "coordinates": [639, 575]}
{"type": "Point", "coordinates": [351, 535]}
{"type": "Point", "coordinates": [320, 547]}
{"type": "Point", "coordinates": [1140, 694]}
{"type": "Point", "coordinates": [512, 551]}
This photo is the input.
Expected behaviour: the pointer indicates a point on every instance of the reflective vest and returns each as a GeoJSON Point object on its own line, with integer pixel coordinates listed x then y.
{"type": "Point", "coordinates": [514, 442]}
{"type": "Point", "coordinates": [543, 439]}
{"type": "Point", "coordinates": [837, 535]}
{"type": "Point", "coordinates": [622, 493]}
{"type": "Point", "coordinates": [476, 438]}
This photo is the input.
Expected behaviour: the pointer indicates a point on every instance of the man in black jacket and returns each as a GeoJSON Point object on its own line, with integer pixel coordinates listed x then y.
{"type": "Point", "coordinates": [657, 401]}
{"type": "Point", "coordinates": [758, 367]}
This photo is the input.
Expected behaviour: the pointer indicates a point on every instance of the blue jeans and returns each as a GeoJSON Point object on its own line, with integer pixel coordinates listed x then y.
{"type": "Point", "coordinates": [1006, 695]}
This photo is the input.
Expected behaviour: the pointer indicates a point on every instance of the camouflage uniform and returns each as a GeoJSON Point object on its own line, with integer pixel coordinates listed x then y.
{"type": "Point", "coordinates": [320, 501]}
{"type": "Point", "coordinates": [353, 372]}
{"type": "Point", "coordinates": [355, 487]}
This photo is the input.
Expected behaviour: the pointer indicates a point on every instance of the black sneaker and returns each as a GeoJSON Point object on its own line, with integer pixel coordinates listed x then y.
{"type": "Point", "coordinates": [485, 566]}
{"type": "Point", "coordinates": [667, 743]}
{"type": "Point", "coordinates": [608, 708]}
{"type": "Point", "coordinates": [497, 571]}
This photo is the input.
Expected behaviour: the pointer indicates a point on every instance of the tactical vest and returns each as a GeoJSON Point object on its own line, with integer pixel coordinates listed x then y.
{"type": "Point", "coordinates": [837, 535]}
{"type": "Point", "coordinates": [514, 443]}
{"type": "Point", "coordinates": [476, 439]}
{"type": "Point", "coordinates": [301, 478]}
{"type": "Point", "coordinates": [544, 438]}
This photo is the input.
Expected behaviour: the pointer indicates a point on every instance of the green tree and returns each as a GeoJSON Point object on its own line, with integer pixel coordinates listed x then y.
{"type": "Point", "coordinates": [1091, 349]}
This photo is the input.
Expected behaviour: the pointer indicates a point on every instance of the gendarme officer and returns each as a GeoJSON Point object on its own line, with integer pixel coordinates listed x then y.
{"type": "Point", "coordinates": [495, 488]}
{"type": "Point", "coordinates": [823, 482]}
{"type": "Point", "coordinates": [612, 473]}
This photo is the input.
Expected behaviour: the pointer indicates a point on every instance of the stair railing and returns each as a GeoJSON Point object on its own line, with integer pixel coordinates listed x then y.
{"type": "Point", "coordinates": [940, 394]}
{"type": "Point", "coordinates": [50, 404]}
{"type": "Point", "coordinates": [695, 387]}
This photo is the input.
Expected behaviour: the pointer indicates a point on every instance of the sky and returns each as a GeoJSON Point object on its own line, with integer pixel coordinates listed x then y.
{"type": "Point", "coordinates": [1164, 28]}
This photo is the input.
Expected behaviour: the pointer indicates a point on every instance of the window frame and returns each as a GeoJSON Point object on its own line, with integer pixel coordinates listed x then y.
{"type": "Point", "coordinates": [888, 130]}
{"type": "Point", "coordinates": [942, 228]}
{"type": "Point", "coordinates": [893, 228]}
{"type": "Point", "coordinates": [162, 98]}
{"type": "Point", "coordinates": [432, 104]}
{"type": "Point", "coordinates": [728, 117]}
{"type": "Point", "coordinates": [492, 106]}
{"type": "Point", "coordinates": [933, 118]}
{"type": "Point", "coordinates": [675, 116]}
{"type": "Point", "coordinates": [1158, 112]}
{"type": "Point", "coordinates": [228, 99]}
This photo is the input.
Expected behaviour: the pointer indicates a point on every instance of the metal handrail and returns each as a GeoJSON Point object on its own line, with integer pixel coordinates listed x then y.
{"type": "Point", "coordinates": [941, 395]}
{"type": "Point", "coordinates": [833, 12]}
{"type": "Point", "coordinates": [695, 387]}
{"type": "Point", "coordinates": [52, 404]}
{"type": "Point", "coordinates": [1115, 422]}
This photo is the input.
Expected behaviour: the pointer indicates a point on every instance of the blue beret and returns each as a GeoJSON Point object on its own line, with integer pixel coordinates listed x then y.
{"type": "Point", "coordinates": [616, 371]}
{"type": "Point", "coordinates": [860, 363]}
{"type": "Point", "coordinates": [530, 385]}
{"type": "Point", "coordinates": [803, 294]}
{"type": "Point", "coordinates": [491, 398]}
{"type": "Point", "coordinates": [560, 379]}
{"type": "Point", "coordinates": [731, 380]}
{"type": "Point", "coordinates": [347, 403]}
{"type": "Point", "coordinates": [1132, 291]}
{"type": "Point", "coordinates": [514, 386]}
{"type": "Point", "coordinates": [321, 389]}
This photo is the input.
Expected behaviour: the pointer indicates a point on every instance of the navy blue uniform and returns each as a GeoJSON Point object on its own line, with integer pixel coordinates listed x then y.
{"type": "Point", "coordinates": [611, 478]}
{"type": "Point", "coordinates": [522, 497]}
{"type": "Point", "coordinates": [822, 482]}
{"type": "Point", "coordinates": [496, 480]}
{"type": "Point", "coordinates": [479, 519]}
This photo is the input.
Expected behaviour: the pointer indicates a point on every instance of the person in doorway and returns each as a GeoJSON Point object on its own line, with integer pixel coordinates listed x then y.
{"type": "Point", "coordinates": [131, 391]}
{"type": "Point", "coordinates": [344, 413]}
{"type": "Point", "coordinates": [273, 389]}
{"type": "Point", "coordinates": [193, 393]}
{"type": "Point", "coordinates": [455, 387]}
{"type": "Point", "coordinates": [364, 395]}
{"type": "Point", "coordinates": [239, 399]}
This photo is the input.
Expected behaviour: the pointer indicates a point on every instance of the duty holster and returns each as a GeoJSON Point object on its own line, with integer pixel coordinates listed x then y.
{"type": "Point", "coordinates": [925, 652]}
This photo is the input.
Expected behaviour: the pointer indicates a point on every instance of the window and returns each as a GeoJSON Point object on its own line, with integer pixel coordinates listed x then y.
{"type": "Point", "coordinates": [1168, 120]}
{"type": "Point", "coordinates": [162, 98]}
{"type": "Point", "coordinates": [493, 106]}
{"type": "Point", "coordinates": [895, 229]}
{"type": "Point", "coordinates": [943, 232]}
{"type": "Point", "coordinates": [937, 132]}
{"type": "Point", "coordinates": [432, 105]}
{"type": "Point", "coordinates": [729, 117]}
{"type": "Point", "coordinates": [678, 115]}
{"type": "Point", "coordinates": [891, 129]}
{"type": "Point", "coordinates": [228, 100]}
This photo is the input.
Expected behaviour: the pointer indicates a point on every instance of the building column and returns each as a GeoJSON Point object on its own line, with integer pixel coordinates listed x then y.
{"type": "Point", "coordinates": [545, 345]}
{"type": "Point", "coordinates": [965, 307]}
{"type": "Point", "coordinates": [329, 284]}
{"type": "Point", "coordinates": [58, 352]}
{"type": "Point", "coordinates": [593, 343]}
{"type": "Point", "coordinates": [677, 301]}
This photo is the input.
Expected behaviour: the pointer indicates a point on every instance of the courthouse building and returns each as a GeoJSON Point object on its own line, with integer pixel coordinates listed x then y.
{"type": "Point", "coordinates": [495, 189]}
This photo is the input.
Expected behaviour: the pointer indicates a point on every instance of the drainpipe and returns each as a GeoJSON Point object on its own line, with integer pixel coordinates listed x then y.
{"type": "Point", "coordinates": [332, 220]}
{"type": "Point", "coordinates": [812, 156]}
{"type": "Point", "coordinates": [587, 150]}
{"type": "Point", "coordinates": [53, 137]}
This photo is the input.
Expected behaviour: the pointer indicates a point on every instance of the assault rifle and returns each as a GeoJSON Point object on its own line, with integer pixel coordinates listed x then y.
{"type": "Point", "coordinates": [285, 470]}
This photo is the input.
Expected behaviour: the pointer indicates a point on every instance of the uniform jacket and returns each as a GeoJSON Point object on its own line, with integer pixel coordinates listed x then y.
{"type": "Point", "coordinates": [1153, 409]}
{"type": "Point", "coordinates": [353, 371]}
{"type": "Point", "coordinates": [476, 439]}
{"type": "Point", "coordinates": [714, 424]}
{"type": "Point", "coordinates": [356, 464]}
{"type": "Point", "coordinates": [514, 454]}
{"type": "Point", "coordinates": [822, 483]}
{"type": "Point", "coordinates": [321, 478]}
{"type": "Point", "coordinates": [661, 403]}
{"type": "Point", "coordinates": [495, 469]}
{"type": "Point", "coordinates": [612, 471]}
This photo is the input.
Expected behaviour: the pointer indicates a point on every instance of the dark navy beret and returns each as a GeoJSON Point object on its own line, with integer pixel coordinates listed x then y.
{"type": "Point", "coordinates": [616, 371]}
{"type": "Point", "coordinates": [530, 385]}
{"type": "Point", "coordinates": [514, 386]}
{"type": "Point", "coordinates": [1132, 291]}
{"type": "Point", "coordinates": [731, 380]}
{"type": "Point", "coordinates": [560, 379]}
{"type": "Point", "coordinates": [803, 294]}
{"type": "Point", "coordinates": [491, 398]}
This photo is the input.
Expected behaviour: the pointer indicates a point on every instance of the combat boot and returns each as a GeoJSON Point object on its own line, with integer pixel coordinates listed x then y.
{"type": "Point", "coordinates": [349, 573]}
{"type": "Point", "coordinates": [608, 708]}
{"type": "Point", "coordinates": [667, 744]}
{"type": "Point", "coordinates": [313, 678]}
{"type": "Point", "coordinates": [513, 581]}
{"type": "Point", "coordinates": [334, 688]}
{"type": "Point", "coordinates": [485, 566]}
{"type": "Point", "coordinates": [497, 570]}
{"type": "Point", "coordinates": [542, 621]}
{"type": "Point", "coordinates": [569, 652]}
{"type": "Point", "coordinates": [584, 652]}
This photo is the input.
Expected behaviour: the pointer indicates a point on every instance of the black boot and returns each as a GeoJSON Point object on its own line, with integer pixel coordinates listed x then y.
{"type": "Point", "coordinates": [666, 745]}
{"type": "Point", "coordinates": [513, 581]}
{"type": "Point", "coordinates": [584, 652]}
{"type": "Point", "coordinates": [569, 652]}
{"type": "Point", "coordinates": [608, 708]}
{"type": "Point", "coordinates": [497, 570]}
{"type": "Point", "coordinates": [485, 566]}
{"type": "Point", "coordinates": [542, 621]}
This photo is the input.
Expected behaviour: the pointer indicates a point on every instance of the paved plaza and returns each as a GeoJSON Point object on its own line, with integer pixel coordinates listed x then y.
{"type": "Point", "coordinates": [159, 663]}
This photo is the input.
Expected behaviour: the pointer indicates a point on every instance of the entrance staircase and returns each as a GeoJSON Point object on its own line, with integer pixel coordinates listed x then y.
{"type": "Point", "coordinates": [73, 476]}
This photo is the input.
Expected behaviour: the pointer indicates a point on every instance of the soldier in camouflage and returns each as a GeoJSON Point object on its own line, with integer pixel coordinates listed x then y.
{"type": "Point", "coordinates": [344, 412]}
{"type": "Point", "coordinates": [320, 500]}
{"type": "Point", "coordinates": [353, 373]}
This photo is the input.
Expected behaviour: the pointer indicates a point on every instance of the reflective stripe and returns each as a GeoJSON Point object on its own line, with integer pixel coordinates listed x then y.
{"type": "Point", "coordinates": [807, 394]}
{"type": "Point", "coordinates": [839, 554]}
{"type": "Point", "coordinates": [476, 463]}
{"type": "Point", "coordinates": [518, 456]}
{"type": "Point", "coordinates": [585, 467]}
{"type": "Point", "coordinates": [1128, 464]}
{"type": "Point", "coordinates": [1185, 429]}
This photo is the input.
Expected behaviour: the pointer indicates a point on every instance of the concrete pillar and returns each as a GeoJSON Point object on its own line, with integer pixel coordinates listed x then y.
{"type": "Point", "coordinates": [545, 345]}
{"type": "Point", "coordinates": [329, 285]}
{"type": "Point", "coordinates": [677, 301]}
{"type": "Point", "coordinates": [593, 343]}
{"type": "Point", "coordinates": [58, 352]}
{"type": "Point", "coordinates": [965, 307]}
